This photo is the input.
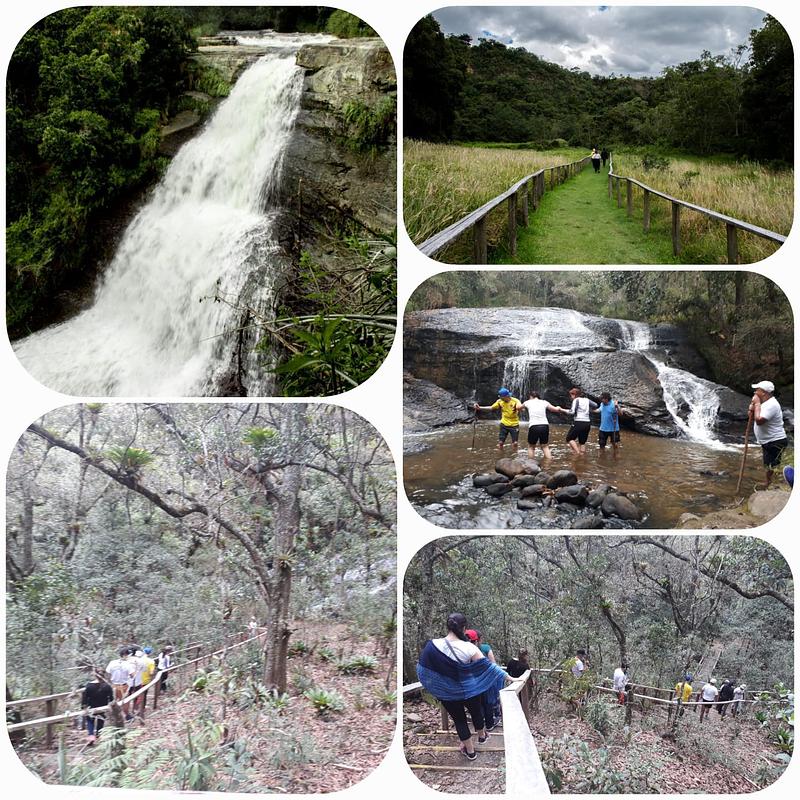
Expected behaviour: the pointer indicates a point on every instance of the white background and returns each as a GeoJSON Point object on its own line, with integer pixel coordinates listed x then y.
{"type": "Point", "coordinates": [379, 399]}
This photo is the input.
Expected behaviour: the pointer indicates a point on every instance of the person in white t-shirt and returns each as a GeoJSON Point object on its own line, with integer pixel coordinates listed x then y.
{"type": "Point", "coordinates": [619, 682]}
{"type": "Point", "coordinates": [708, 697]}
{"type": "Point", "coordinates": [120, 671]}
{"type": "Point", "coordinates": [768, 426]}
{"type": "Point", "coordinates": [538, 426]}
{"type": "Point", "coordinates": [580, 409]}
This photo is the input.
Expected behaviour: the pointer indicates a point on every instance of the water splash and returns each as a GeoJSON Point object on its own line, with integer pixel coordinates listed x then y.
{"type": "Point", "coordinates": [210, 219]}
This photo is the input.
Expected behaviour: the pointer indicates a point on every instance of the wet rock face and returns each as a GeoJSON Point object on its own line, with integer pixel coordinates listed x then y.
{"type": "Point", "coordinates": [617, 505]}
{"type": "Point", "coordinates": [427, 406]}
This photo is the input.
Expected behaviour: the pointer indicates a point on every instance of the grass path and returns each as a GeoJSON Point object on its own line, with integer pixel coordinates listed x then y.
{"type": "Point", "coordinates": [577, 223]}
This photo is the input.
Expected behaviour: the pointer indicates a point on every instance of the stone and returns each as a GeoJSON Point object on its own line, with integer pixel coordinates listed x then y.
{"type": "Point", "coordinates": [590, 522]}
{"type": "Point", "coordinates": [595, 498]}
{"type": "Point", "coordinates": [536, 490]}
{"type": "Point", "coordinates": [413, 717]}
{"type": "Point", "coordinates": [426, 406]}
{"type": "Point", "coordinates": [543, 477]}
{"type": "Point", "coordinates": [528, 504]}
{"type": "Point", "coordinates": [498, 489]}
{"type": "Point", "coordinates": [482, 481]}
{"type": "Point", "coordinates": [575, 494]}
{"type": "Point", "coordinates": [617, 505]}
{"type": "Point", "coordinates": [512, 467]}
{"type": "Point", "coordinates": [685, 518]}
{"type": "Point", "coordinates": [564, 477]}
{"type": "Point", "coordinates": [768, 504]}
{"type": "Point", "coordinates": [523, 480]}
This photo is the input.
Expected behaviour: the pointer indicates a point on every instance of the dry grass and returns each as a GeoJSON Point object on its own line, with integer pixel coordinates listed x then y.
{"type": "Point", "coordinates": [746, 191]}
{"type": "Point", "coordinates": [444, 182]}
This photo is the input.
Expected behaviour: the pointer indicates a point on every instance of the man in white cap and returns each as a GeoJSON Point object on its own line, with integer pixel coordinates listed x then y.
{"type": "Point", "coordinates": [768, 426]}
{"type": "Point", "coordinates": [708, 697]}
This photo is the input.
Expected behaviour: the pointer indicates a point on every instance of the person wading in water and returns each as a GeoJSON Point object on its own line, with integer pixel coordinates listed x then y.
{"type": "Point", "coordinates": [509, 417]}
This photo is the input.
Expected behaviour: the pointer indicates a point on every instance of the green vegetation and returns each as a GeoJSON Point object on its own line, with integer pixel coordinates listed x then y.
{"type": "Point", "coordinates": [325, 702]}
{"type": "Point", "coordinates": [366, 128]}
{"type": "Point", "coordinates": [358, 665]}
{"type": "Point", "coordinates": [347, 26]}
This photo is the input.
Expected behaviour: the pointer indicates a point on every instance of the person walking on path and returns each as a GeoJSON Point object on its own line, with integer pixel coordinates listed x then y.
{"type": "Point", "coordinates": [683, 691]}
{"type": "Point", "coordinates": [491, 698]}
{"type": "Point", "coordinates": [596, 159]}
{"type": "Point", "coordinates": [619, 681]}
{"type": "Point", "coordinates": [164, 662]}
{"type": "Point", "coordinates": [738, 696]}
{"type": "Point", "coordinates": [120, 671]}
{"type": "Point", "coordinates": [517, 667]}
{"type": "Point", "coordinates": [768, 426]}
{"type": "Point", "coordinates": [580, 410]}
{"type": "Point", "coordinates": [509, 417]}
{"type": "Point", "coordinates": [605, 155]}
{"type": "Point", "coordinates": [96, 694]}
{"type": "Point", "coordinates": [538, 425]}
{"type": "Point", "coordinates": [725, 696]}
{"type": "Point", "coordinates": [455, 671]}
{"type": "Point", "coordinates": [708, 697]}
{"type": "Point", "coordinates": [609, 421]}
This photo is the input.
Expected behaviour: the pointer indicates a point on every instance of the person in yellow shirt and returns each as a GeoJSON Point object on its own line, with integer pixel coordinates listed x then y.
{"type": "Point", "coordinates": [509, 417]}
{"type": "Point", "coordinates": [683, 690]}
{"type": "Point", "coordinates": [149, 666]}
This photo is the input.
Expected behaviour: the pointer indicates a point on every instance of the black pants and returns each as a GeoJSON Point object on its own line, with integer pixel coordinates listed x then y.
{"type": "Point", "coordinates": [596, 164]}
{"type": "Point", "coordinates": [455, 708]}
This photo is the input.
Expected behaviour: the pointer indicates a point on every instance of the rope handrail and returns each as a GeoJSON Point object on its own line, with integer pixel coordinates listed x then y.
{"type": "Point", "coordinates": [434, 244]}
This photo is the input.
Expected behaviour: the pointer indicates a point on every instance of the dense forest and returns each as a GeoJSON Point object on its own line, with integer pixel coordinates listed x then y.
{"type": "Point", "coordinates": [87, 91]}
{"type": "Point", "coordinates": [741, 322]}
{"type": "Point", "coordinates": [175, 524]}
{"type": "Point", "coordinates": [735, 103]}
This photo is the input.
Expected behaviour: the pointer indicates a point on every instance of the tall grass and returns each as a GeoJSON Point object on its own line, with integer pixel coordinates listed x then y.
{"type": "Point", "coordinates": [746, 190]}
{"type": "Point", "coordinates": [444, 182]}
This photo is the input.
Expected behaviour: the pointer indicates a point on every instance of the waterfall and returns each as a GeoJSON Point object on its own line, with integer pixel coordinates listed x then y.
{"type": "Point", "coordinates": [152, 328]}
{"type": "Point", "coordinates": [679, 387]}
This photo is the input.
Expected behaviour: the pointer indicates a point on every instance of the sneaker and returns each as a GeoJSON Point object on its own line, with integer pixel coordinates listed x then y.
{"type": "Point", "coordinates": [469, 756]}
{"type": "Point", "coordinates": [788, 476]}
{"type": "Point", "coordinates": [490, 727]}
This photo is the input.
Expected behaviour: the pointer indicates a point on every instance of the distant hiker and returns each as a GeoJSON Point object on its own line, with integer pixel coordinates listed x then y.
{"type": "Point", "coordinates": [605, 155]}
{"type": "Point", "coordinates": [579, 664]}
{"type": "Point", "coordinates": [509, 417]}
{"type": "Point", "coordinates": [738, 696]}
{"type": "Point", "coordinates": [580, 409]}
{"type": "Point", "coordinates": [96, 694]}
{"type": "Point", "coordinates": [768, 426]}
{"type": "Point", "coordinates": [619, 681]}
{"type": "Point", "coordinates": [164, 662]}
{"type": "Point", "coordinates": [538, 426]}
{"type": "Point", "coordinates": [683, 691]}
{"type": "Point", "coordinates": [609, 420]}
{"type": "Point", "coordinates": [149, 666]}
{"type": "Point", "coordinates": [708, 697]}
{"type": "Point", "coordinates": [725, 696]}
{"type": "Point", "coordinates": [517, 667]}
{"type": "Point", "coordinates": [120, 672]}
{"type": "Point", "coordinates": [455, 671]}
{"type": "Point", "coordinates": [252, 628]}
{"type": "Point", "coordinates": [491, 697]}
{"type": "Point", "coordinates": [596, 159]}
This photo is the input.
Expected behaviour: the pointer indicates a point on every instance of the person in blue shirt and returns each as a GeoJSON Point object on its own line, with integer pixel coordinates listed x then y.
{"type": "Point", "coordinates": [609, 420]}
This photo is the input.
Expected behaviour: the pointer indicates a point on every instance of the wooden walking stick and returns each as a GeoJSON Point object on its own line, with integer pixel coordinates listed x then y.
{"type": "Point", "coordinates": [744, 455]}
{"type": "Point", "coordinates": [474, 426]}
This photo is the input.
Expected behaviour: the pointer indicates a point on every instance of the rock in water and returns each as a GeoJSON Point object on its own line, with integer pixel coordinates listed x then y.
{"type": "Point", "coordinates": [511, 467]}
{"type": "Point", "coordinates": [595, 499]}
{"type": "Point", "coordinates": [498, 489]}
{"type": "Point", "coordinates": [564, 477]}
{"type": "Point", "coordinates": [528, 504]}
{"type": "Point", "coordinates": [543, 477]}
{"type": "Point", "coordinates": [482, 481]}
{"type": "Point", "coordinates": [618, 505]}
{"type": "Point", "coordinates": [524, 480]}
{"type": "Point", "coordinates": [575, 494]}
{"type": "Point", "coordinates": [537, 490]}
{"type": "Point", "coordinates": [591, 522]}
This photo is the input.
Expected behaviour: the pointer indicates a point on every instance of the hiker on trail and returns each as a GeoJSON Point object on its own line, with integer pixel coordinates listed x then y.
{"type": "Point", "coordinates": [579, 665]}
{"type": "Point", "coordinates": [120, 671]}
{"type": "Point", "coordinates": [708, 697]}
{"type": "Point", "coordinates": [725, 696]}
{"type": "Point", "coordinates": [509, 417]}
{"type": "Point", "coordinates": [683, 691]}
{"type": "Point", "coordinates": [596, 159]}
{"type": "Point", "coordinates": [491, 698]}
{"type": "Point", "coordinates": [517, 667]}
{"type": "Point", "coordinates": [768, 426]}
{"type": "Point", "coordinates": [609, 420]}
{"type": "Point", "coordinates": [538, 426]}
{"type": "Point", "coordinates": [149, 666]}
{"type": "Point", "coordinates": [619, 681]}
{"type": "Point", "coordinates": [252, 628]}
{"type": "Point", "coordinates": [738, 696]}
{"type": "Point", "coordinates": [580, 409]}
{"type": "Point", "coordinates": [96, 694]}
{"type": "Point", "coordinates": [605, 155]}
{"type": "Point", "coordinates": [164, 662]}
{"type": "Point", "coordinates": [455, 671]}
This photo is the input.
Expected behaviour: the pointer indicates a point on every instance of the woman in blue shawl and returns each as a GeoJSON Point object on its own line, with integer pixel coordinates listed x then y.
{"type": "Point", "coordinates": [457, 673]}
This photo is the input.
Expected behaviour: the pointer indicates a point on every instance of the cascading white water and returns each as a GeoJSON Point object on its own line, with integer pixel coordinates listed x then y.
{"type": "Point", "coordinates": [679, 387]}
{"type": "Point", "coordinates": [209, 219]}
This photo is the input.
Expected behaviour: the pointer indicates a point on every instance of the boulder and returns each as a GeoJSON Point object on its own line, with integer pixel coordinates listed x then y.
{"type": "Point", "coordinates": [528, 504]}
{"type": "Point", "coordinates": [575, 494]}
{"type": "Point", "coordinates": [768, 504]}
{"type": "Point", "coordinates": [498, 489]}
{"type": "Point", "coordinates": [536, 490]}
{"type": "Point", "coordinates": [617, 505]}
{"type": "Point", "coordinates": [595, 498]}
{"type": "Point", "coordinates": [524, 480]}
{"type": "Point", "coordinates": [426, 406]}
{"type": "Point", "coordinates": [543, 477]}
{"type": "Point", "coordinates": [564, 477]}
{"type": "Point", "coordinates": [511, 467]}
{"type": "Point", "coordinates": [489, 478]}
{"type": "Point", "coordinates": [590, 522]}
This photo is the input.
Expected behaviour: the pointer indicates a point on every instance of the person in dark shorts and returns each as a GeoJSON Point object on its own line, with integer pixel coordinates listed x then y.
{"type": "Point", "coordinates": [517, 666]}
{"type": "Point", "coordinates": [509, 417]}
{"type": "Point", "coordinates": [580, 409]}
{"type": "Point", "coordinates": [605, 155]}
{"type": "Point", "coordinates": [539, 427]}
{"type": "Point", "coordinates": [768, 426]}
{"type": "Point", "coordinates": [595, 159]}
{"type": "Point", "coordinates": [609, 420]}
{"type": "Point", "coordinates": [96, 694]}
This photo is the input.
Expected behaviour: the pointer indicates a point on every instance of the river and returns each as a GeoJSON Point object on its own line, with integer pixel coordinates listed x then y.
{"type": "Point", "coordinates": [664, 476]}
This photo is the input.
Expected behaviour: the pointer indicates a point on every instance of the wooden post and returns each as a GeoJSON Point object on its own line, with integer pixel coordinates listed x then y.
{"type": "Point", "coordinates": [512, 224]}
{"type": "Point", "coordinates": [619, 193]}
{"type": "Point", "coordinates": [609, 185]}
{"type": "Point", "coordinates": [50, 710]}
{"type": "Point", "coordinates": [646, 201]}
{"type": "Point", "coordinates": [629, 706]}
{"type": "Point", "coordinates": [525, 206]}
{"type": "Point", "coordinates": [535, 192]}
{"type": "Point", "coordinates": [445, 720]}
{"type": "Point", "coordinates": [479, 245]}
{"type": "Point", "coordinates": [156, 691]}
{"type": "Point", "coordinates": [630, 197]}
{"type": "Point", "coordinates": [676, 228]}
{"type": "Point", "coordinates": [733, 244]}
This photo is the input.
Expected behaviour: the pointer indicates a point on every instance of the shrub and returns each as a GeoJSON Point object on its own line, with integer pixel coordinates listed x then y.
{"type": "Point", "coordinates": [325, 653]}
{"type": "Point", "coordinates": [301, 681]}
{"type": "Point", "coordinates": [298, 648]}
{"type": "Point", "coordinates": [358, 665]}
{"type": "Point", "coordinates": [597, 716]}
{"type": "Point", "coordinates": [347, 26]}
{"type": "Point", "coordinates": [654, 162]}
{"type": "Point", "coordinates": [325, 701]}
{"type": "Point", "coordinates": [368, 127]}
{"type": "Point", "coordinates": [386, 698]}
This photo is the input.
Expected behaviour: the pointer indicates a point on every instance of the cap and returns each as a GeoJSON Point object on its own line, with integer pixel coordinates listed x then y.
{"type": "Point", "coordinates": [148, 650]}
{"type": "Point", "coordinates": [767, 386]}
{"type": "Point", "coordinates": [713, 681]}
{"type": "Point", "coordinates": [688, 676]}
{"type": "Point", "coordinates": [503, 392]}
{"type": "Point", "coordinates": [471, 635]}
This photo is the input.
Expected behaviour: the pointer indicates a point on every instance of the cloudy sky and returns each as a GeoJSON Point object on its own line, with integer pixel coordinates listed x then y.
{"type": "Point", "coordinates": [632, 40]}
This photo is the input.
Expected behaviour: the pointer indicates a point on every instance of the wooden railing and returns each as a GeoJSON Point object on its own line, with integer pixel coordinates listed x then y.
{"type": "Point", "coordinates": [52, 719]}
{"type": "Point", "coordinates": [519, 201]}
{"type": "Point", "coordinates": [732, 225]}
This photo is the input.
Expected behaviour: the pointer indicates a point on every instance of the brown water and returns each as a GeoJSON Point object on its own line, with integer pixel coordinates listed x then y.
{"type": "Point", "coordinates": [663, 476]}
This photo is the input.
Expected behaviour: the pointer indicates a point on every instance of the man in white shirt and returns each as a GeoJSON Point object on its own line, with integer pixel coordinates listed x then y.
{"type": "Point", "coordinates": [619, 681]}
{"type": "Point", "coordinates": [768, 426]}
{"type": "Point", "coordinates": [738, 696]}
{"type": "Point", "coordinates": [579, 665]}
{"type": "Point", "coordinates": [120, 671]}
{"type": "Point", "coordinates": [708, 697]}
{"type": "Point", "coordinates": [538, 425]}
